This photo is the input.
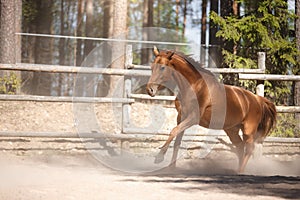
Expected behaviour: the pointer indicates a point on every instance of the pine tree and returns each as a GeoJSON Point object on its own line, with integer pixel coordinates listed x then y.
{"type": "Point", "coordinates": [261, 30]}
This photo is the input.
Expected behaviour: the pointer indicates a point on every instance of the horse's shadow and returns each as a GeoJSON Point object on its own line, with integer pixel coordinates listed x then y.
{"type": "Point", "coordinates": [248, 185]}
{"type": "Point", "coordinates": [210, 175]}
{"type": "Point", "coordinates": [191, 168]}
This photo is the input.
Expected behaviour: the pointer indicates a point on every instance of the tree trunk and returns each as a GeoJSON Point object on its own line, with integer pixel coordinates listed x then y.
{"type": "Point", "coordinates": [158, 12]}
{"type": "Point", "coordinates": [79, 32]}
{"type": "Point", "coordinates": [236, 12]}
{"type": "Point", "coordinates": [28, 48]}
{"type": "Point", "coordinates": [61, 47]}
{"type": "Point", "coordinates": [297, 29]}
{"type": "Point", "coordinates": [226, 10]}
{"type": "Point", "coordinates": [147, 22]}
{"type": "Point", "coordinates": [214, 6]}
{"type": "Point", "coordinates": [118, 48]}
{"type": "Point", "coordinates": [145, 52]}
{"type": "Point", "coordinates": [18, 42]}
{"type": "Point", "coordinates": [10, 43]}
{"type": "Point", "coordinates": [203, 31]}
{"type": "Point", "coordinates": [108, 19]}
{"type": "Point", "coordinates": [150, 13]}
{"type": "Point", "coordinates": [297, 84]}
{"type": "Point", "coordinates": [41, 83]}
{"type": "Point", "coordinates": [177, 16]}
{"type": "Point", "coordinates": [184, 19]}
{"type": "Point", "coordinates": [18, 29]}
{"type": "Point", "coordinates": [89, 27]}
{"type": "Point", "coordinates": [214, 50]}
{"type": "Point", "coordinates": [120, 18]}
{"type": "Point", "coordinates": [116, 88]}
{"type": "Point", "coordinates": [102, 89]}
{"type": "Point", "coordinates": [7, 32]}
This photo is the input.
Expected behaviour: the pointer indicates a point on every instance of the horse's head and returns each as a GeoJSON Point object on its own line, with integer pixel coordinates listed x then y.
{"type": "Point", "coordinates": [161, 70]}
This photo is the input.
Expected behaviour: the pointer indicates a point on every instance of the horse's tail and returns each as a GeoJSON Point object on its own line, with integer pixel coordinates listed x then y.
{"type": "Point", "coordinates": [268, 120]}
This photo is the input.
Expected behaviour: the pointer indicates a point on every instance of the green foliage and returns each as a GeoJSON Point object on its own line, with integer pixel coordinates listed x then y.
{"type": "Point", "coordinates": [278, 91]}
{"type": "Point", "coordinates": [9, 84]}
{"type": "Point", "coordinates": [286, 126]}
{"type": "Point", "coordinates": [263, 29]}
{"type": "Point", "coordinates": [235, 61]}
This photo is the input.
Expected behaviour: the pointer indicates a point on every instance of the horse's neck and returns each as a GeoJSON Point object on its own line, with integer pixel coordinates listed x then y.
{"type": "Point", "coordinates": [188, 77]}
{"type": "Point", "coordinates": [184, 75]}
{"type": "Point", "coordinates": [201, 84]}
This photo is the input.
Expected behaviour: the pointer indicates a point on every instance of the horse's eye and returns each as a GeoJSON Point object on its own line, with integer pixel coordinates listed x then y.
{"type": "Point", "coordinates": [162, 68]}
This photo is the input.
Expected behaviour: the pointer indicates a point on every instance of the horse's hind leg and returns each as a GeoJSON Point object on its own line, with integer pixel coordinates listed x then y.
{"type": "Point", "coordinates": [237, 141]}
{"type": "Point", "coordinates": [249, 147]}
{"type": "Point", "coordinates": [248, 137]}
{"type": "Point", "coordinates": [258, 140]}
{"type": "Point", "coordinates": [258, 151]}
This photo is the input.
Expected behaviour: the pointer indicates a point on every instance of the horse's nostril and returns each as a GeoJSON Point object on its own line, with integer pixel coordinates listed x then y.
{"type": "Point", "coordinates": [151, 91]}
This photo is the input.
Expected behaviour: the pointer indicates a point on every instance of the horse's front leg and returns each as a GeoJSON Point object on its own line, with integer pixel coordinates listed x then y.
{"type": "Point", "coordinates": [178, 139]}
{"type": "Point", "coordinates": [179, 129]}
{"type": "Point", "coordinates": [176, 148]}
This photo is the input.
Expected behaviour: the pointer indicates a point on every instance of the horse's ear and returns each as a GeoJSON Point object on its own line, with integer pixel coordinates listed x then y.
{"type": "Point", "coordinates": [170, 54]}
{"type": "Point", "coordinates": [155, 51]}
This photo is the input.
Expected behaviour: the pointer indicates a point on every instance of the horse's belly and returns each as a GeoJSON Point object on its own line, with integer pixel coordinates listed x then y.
{"type": "Point", "coordinates": [211, 120]}
{"type": "Point", "coordinates": [223, 119]}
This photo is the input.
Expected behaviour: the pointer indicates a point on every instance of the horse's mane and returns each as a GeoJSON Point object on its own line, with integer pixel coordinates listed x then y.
{"type": "Point", "coordinates": [193, 63]}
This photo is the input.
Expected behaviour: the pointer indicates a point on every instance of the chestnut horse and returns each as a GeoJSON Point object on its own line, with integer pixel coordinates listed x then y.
{"type": "Point", "coordinates": [203, 101]}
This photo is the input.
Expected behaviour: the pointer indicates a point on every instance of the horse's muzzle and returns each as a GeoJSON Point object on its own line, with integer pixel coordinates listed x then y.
{"type": "Point", "coordinates": [152, 89]}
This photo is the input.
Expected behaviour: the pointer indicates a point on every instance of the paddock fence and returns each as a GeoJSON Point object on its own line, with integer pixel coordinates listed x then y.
{"type": "Point", "coordinates": [289, 148]}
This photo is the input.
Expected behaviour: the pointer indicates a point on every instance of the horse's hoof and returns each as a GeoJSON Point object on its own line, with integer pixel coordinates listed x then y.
{"type": "Point", "coordinates": [158, 159]}
{"type": "Point", "coordinates": [172, 166]}
{"type": "Point", "coordinates": [240, 171]}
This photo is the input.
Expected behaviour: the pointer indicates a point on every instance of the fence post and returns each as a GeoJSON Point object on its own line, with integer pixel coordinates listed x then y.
{"type": "Point", "coordinates": [129, 57]}
{"type": "Point", "coordinates": [260, 91]}
{"type": "Point", "coordinates": [127, 89]}
{"type": "Point", "coordinates": [126, 106]}
{"type": "Point", "coordinates": [260, 88]}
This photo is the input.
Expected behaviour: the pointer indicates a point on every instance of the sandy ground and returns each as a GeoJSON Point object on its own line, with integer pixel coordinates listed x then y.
{"type": "Point", "coordinates": [61, 169]}
{"type": "Point", "coordinates": [79, 176]}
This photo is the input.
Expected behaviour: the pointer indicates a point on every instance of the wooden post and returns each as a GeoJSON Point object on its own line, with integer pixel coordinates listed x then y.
{"type": "Point", "coordinates": [129, 57]}
{"type": "Point", "coordinates": [260, 91]}
{"type": "Point", "coordinates": [260, 88]}
{"type": "Point", "coordinates": [127, 89]}
{"type": "Point", "coordinates": [126, 106]}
